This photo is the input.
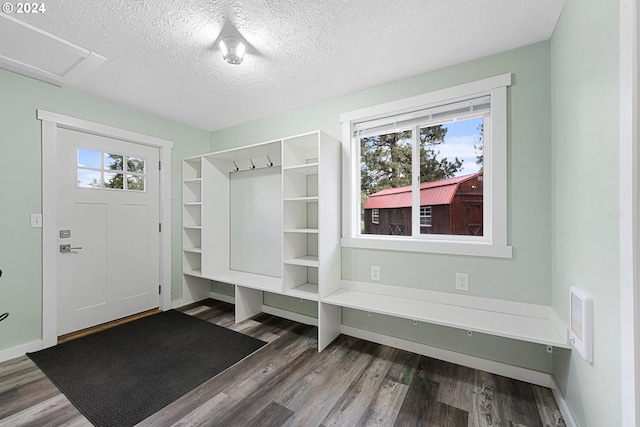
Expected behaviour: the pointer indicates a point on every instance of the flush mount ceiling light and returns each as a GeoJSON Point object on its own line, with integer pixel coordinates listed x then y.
{"type": "Point", "coordinates": [232, 50]}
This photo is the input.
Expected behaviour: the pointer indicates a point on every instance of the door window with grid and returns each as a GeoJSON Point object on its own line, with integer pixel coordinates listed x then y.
{"type": "Point", "coordinates": [103, 170]}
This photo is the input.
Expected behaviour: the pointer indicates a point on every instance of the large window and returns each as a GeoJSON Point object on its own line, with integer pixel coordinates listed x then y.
{"type": "Point", "coordinates": [432, 169]}
{"type": "Point", "coordinates": [449, 163]}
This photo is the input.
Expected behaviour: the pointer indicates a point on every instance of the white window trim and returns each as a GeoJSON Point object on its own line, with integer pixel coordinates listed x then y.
{"type": "Point", "coordinates": [494, 241]}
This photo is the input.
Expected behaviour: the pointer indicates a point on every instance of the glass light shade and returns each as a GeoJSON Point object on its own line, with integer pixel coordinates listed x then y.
{"type": "Point", "coordinates": [232, 50]}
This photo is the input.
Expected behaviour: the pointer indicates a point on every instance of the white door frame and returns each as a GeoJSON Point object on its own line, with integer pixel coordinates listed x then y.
{"type": "Point", "coordinates": [50, 124]}
{"type": "Point", "coordinates": [629, 214]}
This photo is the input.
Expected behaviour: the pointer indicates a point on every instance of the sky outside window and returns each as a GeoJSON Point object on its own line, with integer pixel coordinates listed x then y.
{"type": "Point", "coordinates": [459, 142]}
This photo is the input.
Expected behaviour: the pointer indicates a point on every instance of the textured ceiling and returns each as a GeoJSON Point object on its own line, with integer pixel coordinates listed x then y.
{"type": "Point", "coordinates": [162, 55]}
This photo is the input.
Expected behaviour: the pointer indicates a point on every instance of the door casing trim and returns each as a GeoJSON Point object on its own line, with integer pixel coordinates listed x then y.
{"type": "Point", "coordinates": [50, 124]}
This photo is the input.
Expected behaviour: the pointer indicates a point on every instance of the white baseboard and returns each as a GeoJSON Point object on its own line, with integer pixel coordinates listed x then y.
{"type": "Point", "coordinates": [21, 350]}
{"type": "Point", "coordinates": [285, 314]}
{"type": "Point", "coordinates": [222, 297]}
{"type": "Point", "coordinates": [290, 315]}
{"type": "Point", "coordinates": [523, 374]}
{"type": "Point", "coordinates": [563, 405]}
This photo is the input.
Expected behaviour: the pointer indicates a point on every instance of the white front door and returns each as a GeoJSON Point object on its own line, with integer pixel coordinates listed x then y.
{"type": "Point", "coordinates": [108, 215]}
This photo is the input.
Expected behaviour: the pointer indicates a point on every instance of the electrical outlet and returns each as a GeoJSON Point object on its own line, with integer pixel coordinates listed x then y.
{"type": "Point", "coordinates": [462, 282]}
{"type": "Point", "coordinates": [375, 272]}
{"type": "Point", "coordinates": [36, 220]}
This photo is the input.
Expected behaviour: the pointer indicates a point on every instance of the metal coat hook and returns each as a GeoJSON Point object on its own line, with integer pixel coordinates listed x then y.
{"type": "Point", "coordinates": [236, 168]}
{"type": "Point", "coordinates": [270, 162]}
{"type": "Point", "coordinates": [252, 165]}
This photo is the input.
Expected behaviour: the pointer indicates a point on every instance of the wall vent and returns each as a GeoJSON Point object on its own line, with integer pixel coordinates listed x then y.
{"type": "Point", "coordinates": [581, 330]}
{"type": "Point", "coordinates": [36, 53]}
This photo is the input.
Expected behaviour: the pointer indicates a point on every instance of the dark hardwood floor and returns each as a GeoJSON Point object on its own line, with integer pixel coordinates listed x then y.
{"type": "Point", "coordinates": [288, 383]}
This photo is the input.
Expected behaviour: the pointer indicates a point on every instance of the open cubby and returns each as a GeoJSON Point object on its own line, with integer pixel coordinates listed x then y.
{"type": "Point", "coordinates": [191, 214]}
{"type": "Point", "coordinates": [191, 240]}
{"type": "Point", "coordinates": [192, 169]}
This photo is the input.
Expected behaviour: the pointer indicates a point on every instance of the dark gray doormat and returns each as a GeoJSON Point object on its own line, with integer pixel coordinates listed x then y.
{"type": "Point", "coordinates": [120, 376]}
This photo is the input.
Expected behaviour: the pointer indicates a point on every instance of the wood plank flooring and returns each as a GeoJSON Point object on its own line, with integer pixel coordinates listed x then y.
{"type": "Point", "coordinates": [288, 383]}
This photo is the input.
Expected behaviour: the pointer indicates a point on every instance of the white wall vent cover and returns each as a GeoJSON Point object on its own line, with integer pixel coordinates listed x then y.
{"type": "Point", "coordinates": [581, 330]}
{"type": "Point", "coordinates": [36, 53]}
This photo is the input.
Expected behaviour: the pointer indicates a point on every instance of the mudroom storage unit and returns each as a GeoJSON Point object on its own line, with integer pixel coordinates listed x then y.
{"type": "Point", "coordinates": [265, 218]}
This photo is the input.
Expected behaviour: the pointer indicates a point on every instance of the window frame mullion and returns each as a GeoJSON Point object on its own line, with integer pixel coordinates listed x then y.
{"type": "Point", "coordinates": [415, 182]}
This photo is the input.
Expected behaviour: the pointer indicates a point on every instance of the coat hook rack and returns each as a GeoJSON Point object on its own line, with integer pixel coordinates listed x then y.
{"type": "Point", "coordinates": [235, 167]}
{"type": "Point", "coordinates": [252, 165]}
{"type": "Point", "coordinates": [270, 162]}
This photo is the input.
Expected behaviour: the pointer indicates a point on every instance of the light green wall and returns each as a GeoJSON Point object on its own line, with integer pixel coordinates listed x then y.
{"type": "Point", "coordinates": [562, 198]}
{"type": "Point", "coordinates": [585, 68]}
{"type": "Point", "coordinates": [21, 195]}
{"type": "Point", "coordinates": [526, 277]}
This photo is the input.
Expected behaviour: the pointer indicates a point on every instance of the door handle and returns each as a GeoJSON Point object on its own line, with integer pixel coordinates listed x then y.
{"type": "Point", "coordinates": [67, 248]}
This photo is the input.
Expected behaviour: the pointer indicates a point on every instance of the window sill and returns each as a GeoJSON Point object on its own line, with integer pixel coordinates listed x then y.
{"type": "Point", "coordinates": [439, 247]}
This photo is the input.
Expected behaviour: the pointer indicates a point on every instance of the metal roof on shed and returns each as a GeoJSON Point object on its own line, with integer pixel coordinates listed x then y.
{"type": "Point", "coordinates": [431, 193]}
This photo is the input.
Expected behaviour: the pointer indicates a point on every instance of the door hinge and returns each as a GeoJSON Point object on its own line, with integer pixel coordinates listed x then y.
{"type": "Point", "coordinates": [159, 165]}
{"type": "Point", "coordinates": [159, 227]}
{"type": "Point", "coordinates": [159, 289]}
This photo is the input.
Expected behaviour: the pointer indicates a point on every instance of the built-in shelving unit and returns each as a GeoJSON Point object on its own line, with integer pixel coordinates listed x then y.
{"type": "Point", "coordinates": [249, 209]}
{"type": "Point", "coordinates": [265, 218]}
{"type": "Point", "coordinates": [192, 228]}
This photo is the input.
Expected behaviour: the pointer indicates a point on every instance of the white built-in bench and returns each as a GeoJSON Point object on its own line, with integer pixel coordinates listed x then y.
{"type": "Point", "coordinates": [511, 319]}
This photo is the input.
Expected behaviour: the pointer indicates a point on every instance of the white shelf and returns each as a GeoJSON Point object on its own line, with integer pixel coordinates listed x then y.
{"type": "Point", "coordinates": [305, 169]}
{"type": "Point", "coordinates": [192, 227]}
{"type": "Point", "coordinates": [249, 280]}
{"type": "Point", "coordinates": [508, 325]}
{"type": "Point", "coordinates": [193, 204]}
{"type": "Point", "coordinates": [240, 278]}
{"type": "Point", "coordinates": [257, 152]}
{"type": "Point", "coordinates": [193, 181]}
{"type": "Point", "coordinates": [308, 291]}
{"type": "Point", "coordinates": [305, 261]}
{"type": "Point", "coordinates": [194, 273]}
{"type": "Point", "coordinates": [302, 199]}
{"type": "Point", "coordinates": [193, 250]}
{"type": "Point", "coordinates": [302, 230]}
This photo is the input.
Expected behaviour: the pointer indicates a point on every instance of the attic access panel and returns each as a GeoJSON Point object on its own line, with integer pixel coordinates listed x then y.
{"type": "Point", "coordinates": [42, 55]}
